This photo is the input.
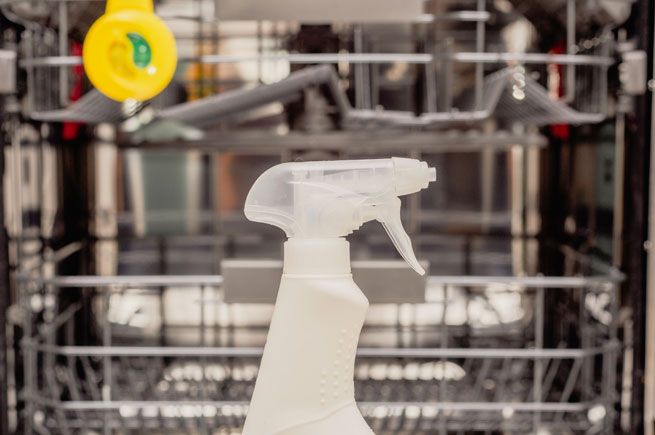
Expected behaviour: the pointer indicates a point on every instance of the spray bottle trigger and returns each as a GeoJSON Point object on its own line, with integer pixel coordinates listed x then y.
{"type": "Point", "coordinates": [394, 227]}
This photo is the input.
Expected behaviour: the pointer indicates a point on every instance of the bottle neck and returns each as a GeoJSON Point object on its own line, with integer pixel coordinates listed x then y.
{"type": "Point", "coordinates": [119, 5]}
{"type": "Point", "coordinates": [330, 256]}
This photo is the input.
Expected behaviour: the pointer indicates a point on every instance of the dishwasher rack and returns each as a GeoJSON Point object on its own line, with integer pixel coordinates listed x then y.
{"type": "Point", "coordinates": [427, 371]}
{"type": "Point", "coordinates": [47, 57]}
{"type": "Point", "coordinates": [456, 363]}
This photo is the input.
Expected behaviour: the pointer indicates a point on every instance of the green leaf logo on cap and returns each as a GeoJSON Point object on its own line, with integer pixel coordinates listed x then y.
{"type": "Point", "coordinates": [141, 53]}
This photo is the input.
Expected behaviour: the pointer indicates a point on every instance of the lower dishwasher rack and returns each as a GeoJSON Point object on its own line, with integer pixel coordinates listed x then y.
{"type": "Point", "coordinates": [458, 363]}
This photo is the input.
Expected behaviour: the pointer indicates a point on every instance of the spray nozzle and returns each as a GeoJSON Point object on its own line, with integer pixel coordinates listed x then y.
{"type": "Point", "coordinates": [333, 199]}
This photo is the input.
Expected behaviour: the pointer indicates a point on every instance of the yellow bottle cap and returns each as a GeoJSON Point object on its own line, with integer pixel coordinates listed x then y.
{"type": "Point", "coordinates": [129, 53]}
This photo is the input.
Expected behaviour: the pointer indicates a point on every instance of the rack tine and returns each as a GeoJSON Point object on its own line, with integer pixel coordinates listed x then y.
{"type": "Point", "coordinates": [482, 375]}
{"type": "Point", "coordinates": [61, 319]}
{"type": "Point", "coordinates": [133, 381]}
{"type": "Point", "coordinates": [550, 377]}
{"type": "Point", "coordinates": [56, 395]}
{"type": "Point", "coordinates": [92, 380]}
{"type": "Point", "coordinates": [150, 377]}
{"type": "Point", "coordinates": [502, 380]}
{"type": "Point", "coordinates": [570, 384]}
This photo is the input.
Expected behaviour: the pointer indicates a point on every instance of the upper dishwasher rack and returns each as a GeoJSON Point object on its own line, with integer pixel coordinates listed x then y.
{"type": "Point", "coordinates": [453, 49]}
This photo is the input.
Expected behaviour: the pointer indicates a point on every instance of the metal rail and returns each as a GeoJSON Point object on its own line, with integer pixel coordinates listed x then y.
{"type": "Point", "coordinates": [382, 140]}
{"type": "Point", "coordinates": [464, 16]}
{"type": "Point", "coordinates": [427, 353]}
{"type": "Point", "coordinates": [454, 406]}
{"type": "Point", "coordinates": [363, 58]}
{"type": "Point", "coordinates": [217, 280]}
{"type": "Point", "coordinates": [124, 281]}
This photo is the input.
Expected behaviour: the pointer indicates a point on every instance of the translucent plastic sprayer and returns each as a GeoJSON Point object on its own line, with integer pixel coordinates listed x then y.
{"type": "Point", "coordinates": [333, 199]}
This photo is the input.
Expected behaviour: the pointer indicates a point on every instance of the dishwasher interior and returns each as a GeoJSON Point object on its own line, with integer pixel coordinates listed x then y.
{"type": "Point", "coordinates": [141, 296]}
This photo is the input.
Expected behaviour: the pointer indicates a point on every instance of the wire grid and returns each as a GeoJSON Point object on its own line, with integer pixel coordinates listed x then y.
{"type": "Point", "coordinates": [436, 60]}
{"type": "Point", "coordinates": [411, 376]}
{"type": "Point", "coordinates": [107, 388]}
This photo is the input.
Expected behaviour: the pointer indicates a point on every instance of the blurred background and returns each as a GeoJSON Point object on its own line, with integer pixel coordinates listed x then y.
{"type": "Point", "coordinates": [135, 297]}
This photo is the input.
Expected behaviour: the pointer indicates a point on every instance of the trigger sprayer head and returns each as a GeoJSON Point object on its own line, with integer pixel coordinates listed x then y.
{"type": "Point", "coordinates": [333, 199]}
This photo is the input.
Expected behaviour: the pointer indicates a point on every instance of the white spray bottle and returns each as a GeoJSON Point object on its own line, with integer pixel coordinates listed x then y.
{"type": "Point", "coordinates": [305, 384]}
